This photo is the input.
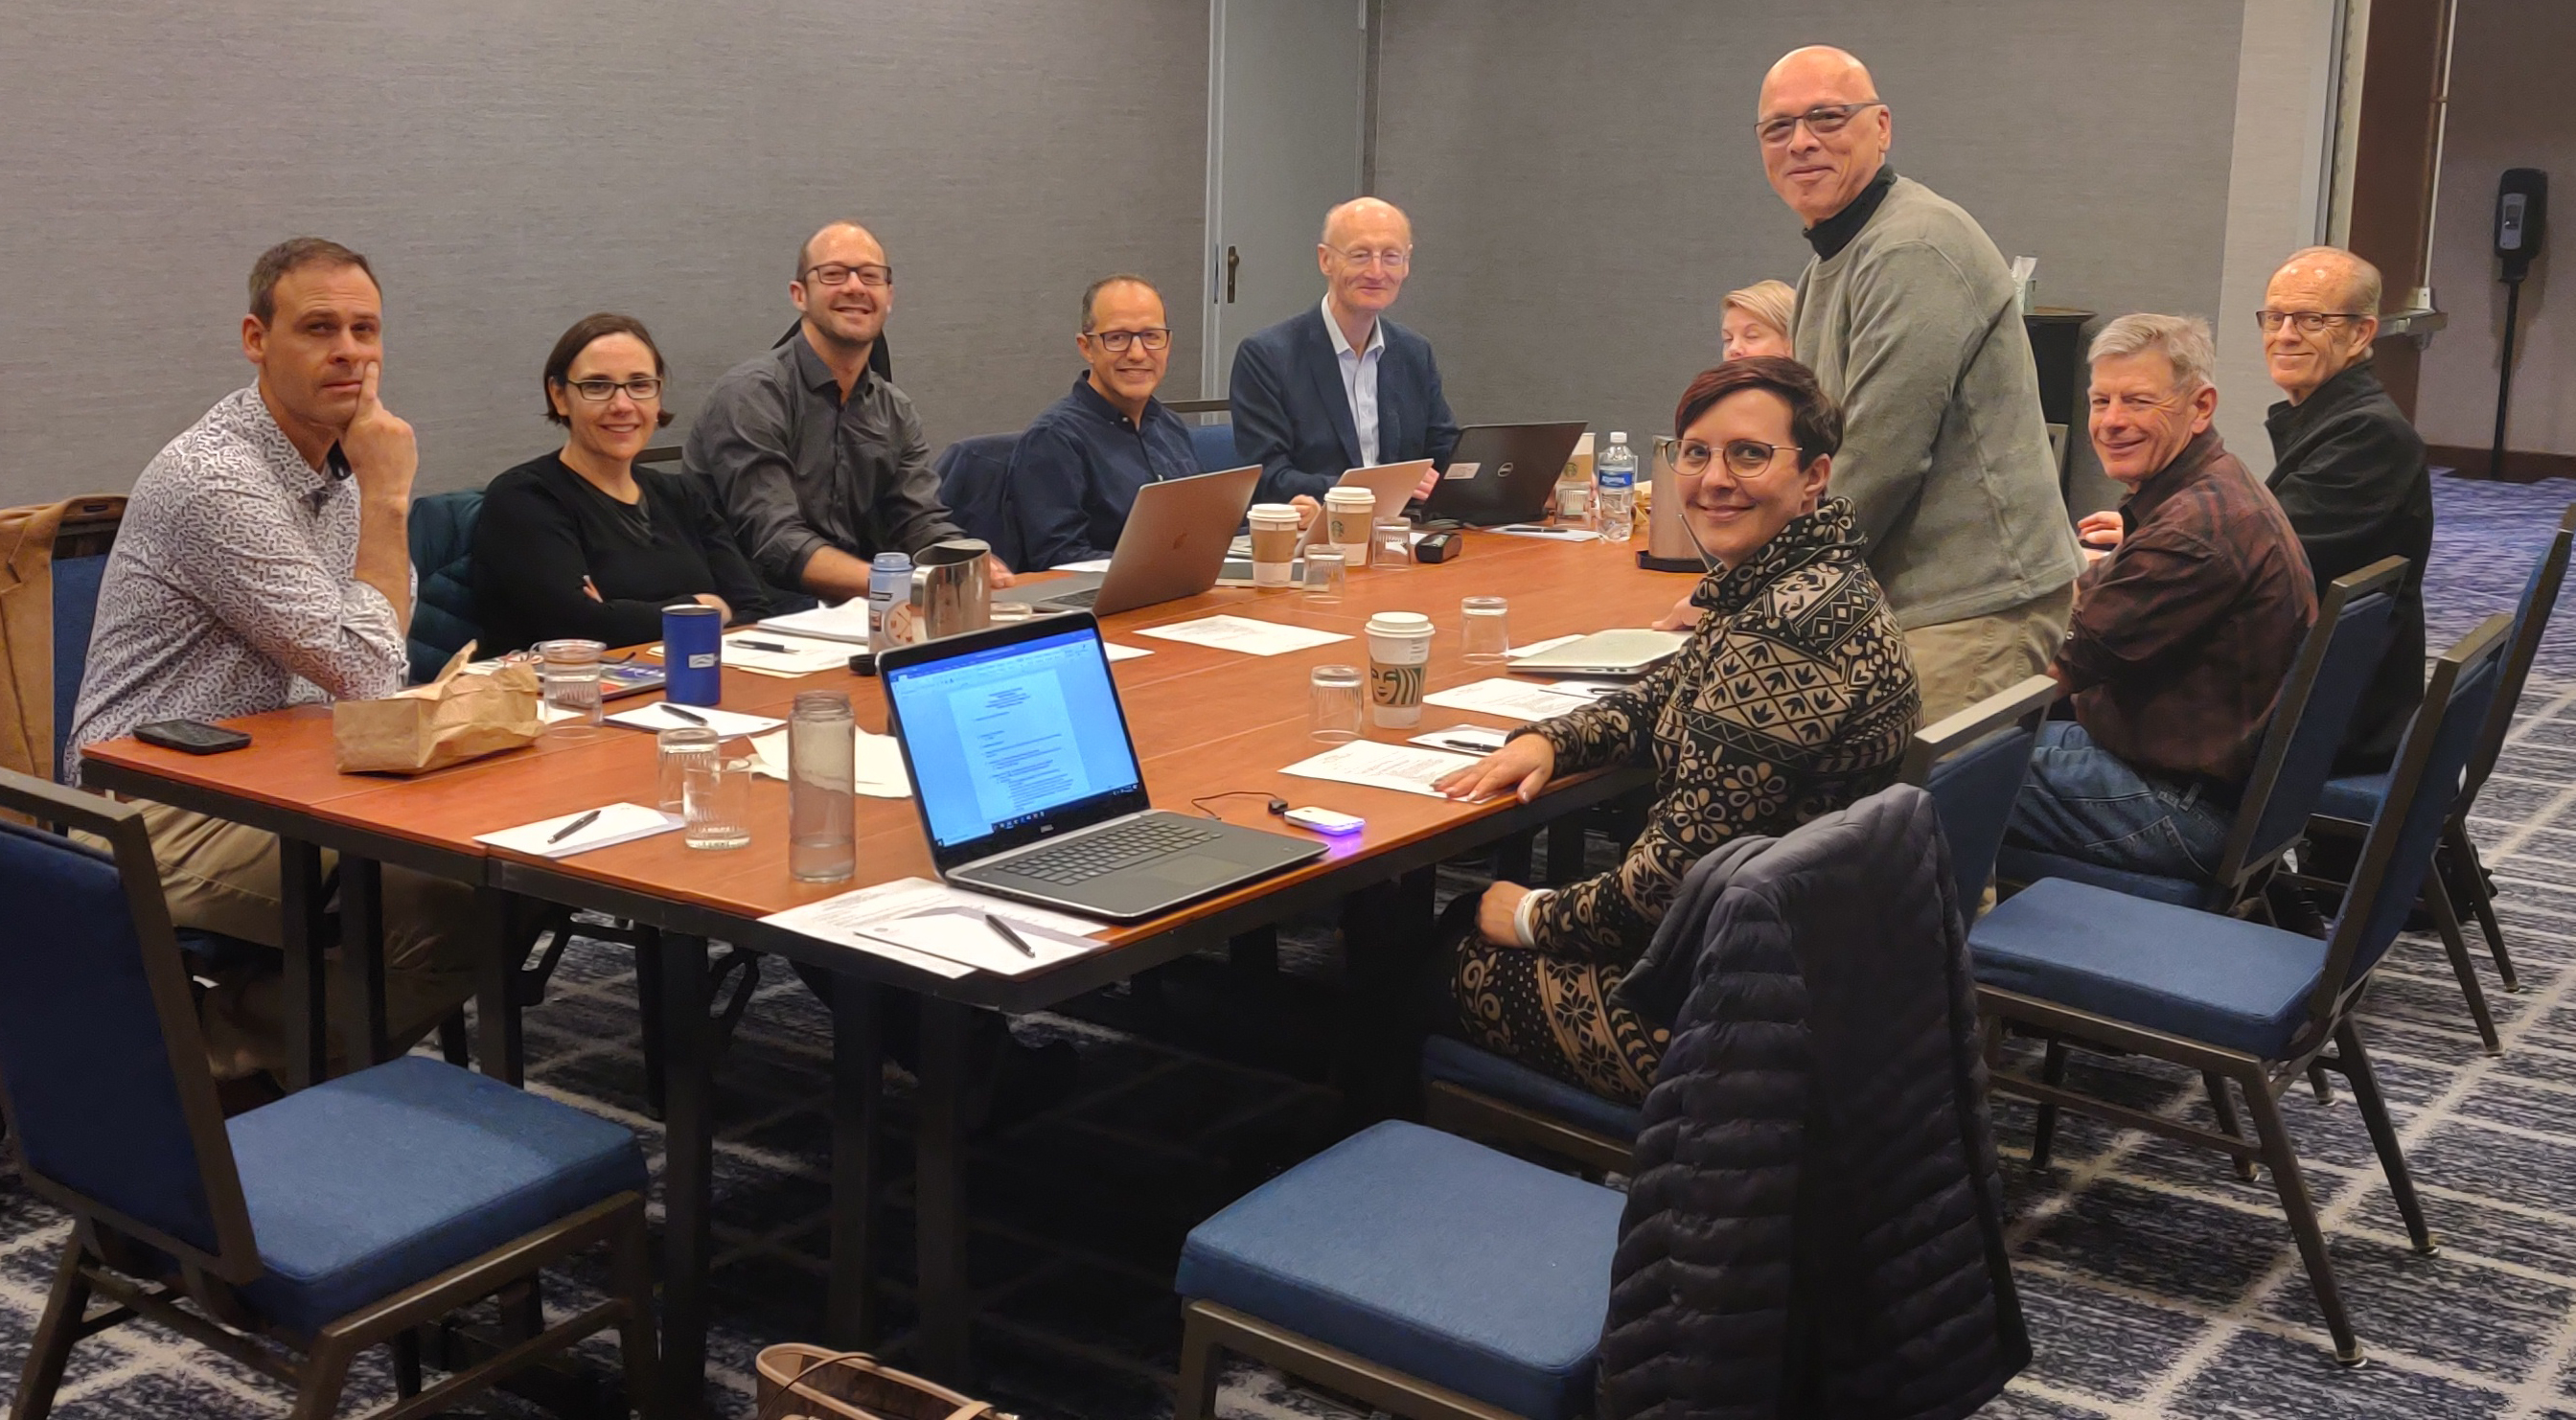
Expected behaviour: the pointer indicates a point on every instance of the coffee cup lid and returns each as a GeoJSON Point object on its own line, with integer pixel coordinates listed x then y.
{"type": "Point", "coordinates": [1400, 623]}
{"type": "Point", "coordinates": [1271, 510]}
{"type": "Point", "coordinates": [1347, 495]}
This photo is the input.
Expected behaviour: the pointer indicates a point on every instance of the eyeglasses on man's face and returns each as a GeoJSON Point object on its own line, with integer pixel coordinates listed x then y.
{"type": "Point", "coordinates": [2308, 322]}
{"type": "Point", "coordinates": [1823, 122]}
{"type": "Point", "coordinates": [1744, 458]}
{"type": "Point", "coordinates": [833, 273]}
{"type": "Point", "coordinates": [1116, 342]}
{"type": "Point", "coordinates": [602, 391]}
{"type": "Point", "coordinates": [1384, 258]}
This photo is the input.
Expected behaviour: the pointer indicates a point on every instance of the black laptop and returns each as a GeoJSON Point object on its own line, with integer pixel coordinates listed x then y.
{"type": "Point", "coordinates": [1028, 785]}
{"type": "Point", "coordinates": [1502, 473]}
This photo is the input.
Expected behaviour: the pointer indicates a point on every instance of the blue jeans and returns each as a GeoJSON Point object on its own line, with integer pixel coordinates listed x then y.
{"type": "Point", "coordinates": [2083, 802]}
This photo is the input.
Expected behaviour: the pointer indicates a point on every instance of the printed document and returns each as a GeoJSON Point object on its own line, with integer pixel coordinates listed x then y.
{"type": "Point", "coordinates": [1511, 699]}
{"type": "Point", "coordinates": [1407, 768]}
{"type": "Point", "coordinates": [1238, 633]}
{"type": "Point", "coordinates": [939, 929]}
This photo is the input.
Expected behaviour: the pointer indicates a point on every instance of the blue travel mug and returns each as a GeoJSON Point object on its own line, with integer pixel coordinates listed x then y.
{"type": "Point", "coordinates": [693, 654]}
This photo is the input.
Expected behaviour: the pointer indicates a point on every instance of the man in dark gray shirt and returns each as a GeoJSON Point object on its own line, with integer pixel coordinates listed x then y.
{"type": "Point", "coordinates": [820, 461]}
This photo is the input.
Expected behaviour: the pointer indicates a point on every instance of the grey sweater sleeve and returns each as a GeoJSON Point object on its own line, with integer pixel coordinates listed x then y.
{"type": "Point", "coordinates": [1915, 320]}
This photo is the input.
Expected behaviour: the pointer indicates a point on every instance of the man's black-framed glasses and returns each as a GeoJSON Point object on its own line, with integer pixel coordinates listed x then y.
{"type": "Point", "coordinates": [1116, 342]}
{"type": "Point", "coordinates": [2308, 322]}
{"type": "Point", "coordinates": [1821, 121]}
{"type": "Point", "coordinates": [642, 388]}
{"type": "Point", "coordinates": [833, 273]}
{"type": "Point", "coordinates": [1744, 458]}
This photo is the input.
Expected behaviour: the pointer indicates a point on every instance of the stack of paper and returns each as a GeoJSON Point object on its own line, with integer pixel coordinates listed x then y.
{"type": "Point", "coordinates": [617, 823]}
{"type": "Point", "coordinates": [877, 771]}
{"type": "Point", "coordinates": [845, 622]}
{"type": "Point", "coordinates": [778, 653]}
{"type": "Point", "coordinates": [1511, 699]}
{"type": "Point", "coordinates": [1238, 633]}
{"type": "Point", "coordinates": [660, 716]}
{"type": "Point", "coordinates": [940, 929]}
{"type": "Point", "coordinates": [1382, 766]}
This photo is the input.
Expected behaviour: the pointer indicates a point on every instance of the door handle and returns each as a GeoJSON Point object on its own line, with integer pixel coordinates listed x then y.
{"type": "Point", "coordinates": [1233, 259]}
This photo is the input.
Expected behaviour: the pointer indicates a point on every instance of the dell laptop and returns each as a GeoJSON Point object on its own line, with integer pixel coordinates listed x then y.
{"type": "Point", "coordinates": [1027, 781]}
{"type": "Point", "coordinates": [1502, 473]}
{"type": "Point", "coordinates": [1174, 542]}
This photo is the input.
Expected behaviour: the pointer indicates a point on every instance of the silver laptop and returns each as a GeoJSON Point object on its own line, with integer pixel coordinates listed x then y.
{"type": "Point", "coordinates": [1631, 651]}
{"type": "Point", "coordinates": [1391, 483]}
{"type": "Point", "coordinates": [1172, 547]}
{"type": "Point", "coordinates": [1027, 782]}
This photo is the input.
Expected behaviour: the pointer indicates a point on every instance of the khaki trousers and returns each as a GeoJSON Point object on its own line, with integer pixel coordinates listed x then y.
{"type": "Point", "coordinates": [1958, 663]}
{"type": "Point", "coordinates": [223, 877]}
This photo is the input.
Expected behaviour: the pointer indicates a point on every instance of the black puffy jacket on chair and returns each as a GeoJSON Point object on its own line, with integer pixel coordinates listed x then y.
{"type": "Point", "coordinates": [1814, 1228]}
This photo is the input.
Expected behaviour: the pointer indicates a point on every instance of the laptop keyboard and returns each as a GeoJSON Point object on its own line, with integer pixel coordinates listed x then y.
{"type": "Point", "coordinates": [1096, 854]}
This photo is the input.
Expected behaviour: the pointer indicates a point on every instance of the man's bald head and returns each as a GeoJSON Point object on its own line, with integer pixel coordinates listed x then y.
{"type": "Point", "coordinates": [1372, 216]}
{"type": "Point", "coordinates": [1366, 250]}
{"type": "Point", "coordinates": [1824, 132]}
{"type": "Point", "coordinates": [2333, 290]}
{"type": "Point", "coordinates": [2352, 278]}
{"type": "Point", "coordinates": [831, 234]}
{"type": "Point", "coordinates": [1820, 68]}
{"type": "Point", "coordinates": [843, 288]}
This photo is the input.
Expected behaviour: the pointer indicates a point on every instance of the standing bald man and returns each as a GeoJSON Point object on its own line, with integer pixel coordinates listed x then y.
{"type": "Point", "coordinates": [1907, 315]}
{"type": "Point", "coordinates": [1341, 386]}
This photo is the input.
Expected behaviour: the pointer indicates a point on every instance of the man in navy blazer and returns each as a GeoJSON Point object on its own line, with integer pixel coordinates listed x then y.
{"type": "Point", "coordinates": [1341, 386]}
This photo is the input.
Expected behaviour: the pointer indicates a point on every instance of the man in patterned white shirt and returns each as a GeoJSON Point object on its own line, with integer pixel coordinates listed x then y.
{"type": "Point", "coordinates": [264, 561]}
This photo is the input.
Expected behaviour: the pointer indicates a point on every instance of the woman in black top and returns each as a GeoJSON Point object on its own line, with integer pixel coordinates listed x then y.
{"type": "Point", "coordinates": [582, 543]}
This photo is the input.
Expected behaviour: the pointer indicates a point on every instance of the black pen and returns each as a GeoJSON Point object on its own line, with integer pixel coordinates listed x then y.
{"type": "Point", "coordinates": [1471, 745]}
{"type": "Point", "coordinates": [690, 716]}
{"type": "Point", "coordinates": [1003, 929]}
{"type": "Point", "coordinates": [766, 646]}
{"type": "Point", "coordinates": [576, 826]}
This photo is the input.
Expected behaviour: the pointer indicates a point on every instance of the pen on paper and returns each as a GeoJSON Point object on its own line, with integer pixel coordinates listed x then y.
{"type": "Point", "coordinates": [766, 646]}
{"type": "Point", "coordinates": [576, 826]}
{"type": "Point", "coordinates": [1003, 930]}
{"type": "Point", "coordinates": [677, 713]}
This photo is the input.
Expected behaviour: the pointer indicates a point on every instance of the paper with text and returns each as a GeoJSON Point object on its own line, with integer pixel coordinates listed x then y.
{"type": "Point", "coordinates": [1238, 633]}
{"type": "Point", "coordinates": [1407, 768]}
{"type": "Point", "coordinates": [1511, 699]}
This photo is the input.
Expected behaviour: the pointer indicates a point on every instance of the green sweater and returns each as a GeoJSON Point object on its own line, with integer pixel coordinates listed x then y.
{"type": "Point", "coordinates": [1912, 328]}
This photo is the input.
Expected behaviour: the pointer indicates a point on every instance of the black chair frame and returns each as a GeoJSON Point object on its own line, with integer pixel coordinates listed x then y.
{"type": "Point", "coordinates": [2330, 1027]}
{"type": "Point", "coordinates": [132, 1264]}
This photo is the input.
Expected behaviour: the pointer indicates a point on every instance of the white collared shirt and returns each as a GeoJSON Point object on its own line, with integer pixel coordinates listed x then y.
{"type": "Point", "coordinates": [1359, 378]}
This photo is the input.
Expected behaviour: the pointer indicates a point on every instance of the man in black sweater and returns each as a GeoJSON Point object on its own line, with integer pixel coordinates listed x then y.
{"type": "Point", "coordinates": [2349, 469]}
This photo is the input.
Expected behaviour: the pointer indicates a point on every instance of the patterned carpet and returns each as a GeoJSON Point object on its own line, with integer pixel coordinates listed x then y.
{"type": "Point", "coordinates": [2156, 1284]}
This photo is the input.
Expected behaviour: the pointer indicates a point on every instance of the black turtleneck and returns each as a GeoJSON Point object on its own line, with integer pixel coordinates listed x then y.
{"type": "Point", "coordinates": [1834, 233]}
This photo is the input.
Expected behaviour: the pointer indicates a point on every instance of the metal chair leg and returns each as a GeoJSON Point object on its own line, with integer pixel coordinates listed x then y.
{"type": "Point", "coordinates": [2463, 851]}
{"type": "Point", "coordinates": [2222, 1105]}
{"type": "Point", "coordinates": [55, 1333]}
{"type": "Point", "coordinates": [2355, 1063]}
{"type": "Point", "coordinates": [2043, 1130]}
{"type": "Point", "coordinates": [2322, 1083]}
{"type": "Point", "coordinates": [1195, 1399]}
{"type": "Point", "coordinates": [2439, 899]}
{"type": "Point", "coordinates": [2293, 1188]}
{"type": "Point", "coordinates": [406, 1349]}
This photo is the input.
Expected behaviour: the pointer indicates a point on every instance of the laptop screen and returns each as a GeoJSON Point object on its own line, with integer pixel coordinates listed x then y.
{"type": "Point", "coordinates": [1001, 738]}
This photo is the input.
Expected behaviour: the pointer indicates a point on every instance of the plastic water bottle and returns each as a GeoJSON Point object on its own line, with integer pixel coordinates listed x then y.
{"type": "Point", "coordinates": [889, 581]}
{"type": "Point", "coordinates": [1616, 472]}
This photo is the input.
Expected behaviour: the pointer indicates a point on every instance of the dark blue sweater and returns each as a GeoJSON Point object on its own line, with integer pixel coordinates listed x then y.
{"type": "Point", "coordinates": [1076, 472]}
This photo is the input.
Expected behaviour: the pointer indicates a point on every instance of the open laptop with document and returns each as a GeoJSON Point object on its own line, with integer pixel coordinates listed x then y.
{"type": "Point", "coordinates": [1502, 473]}
{"type": "Point", "coordinates": [1027, 781]}
{"type": "Point", "coordinates": [1175, 541]}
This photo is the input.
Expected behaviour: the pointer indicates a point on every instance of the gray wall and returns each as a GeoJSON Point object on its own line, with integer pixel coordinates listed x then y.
{"type": "Point", "coordinates": [1584, 191]}
{"type": "Point", "coordinates": [510, 167]}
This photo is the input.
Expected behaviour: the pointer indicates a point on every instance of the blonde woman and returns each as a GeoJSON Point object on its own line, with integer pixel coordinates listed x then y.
{"type": "Point", "coordinates": [1755, 320]}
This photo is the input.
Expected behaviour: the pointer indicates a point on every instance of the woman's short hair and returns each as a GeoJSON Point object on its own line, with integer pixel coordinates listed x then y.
{"type": "Point", "coordinates": [578, 339]}
{"type": "Point", "coordinates": [2182, 340]}
{"type": "Point", "coordinates": [1814, 420]}
{"type": "Point", "coordinates": [1769, 302]}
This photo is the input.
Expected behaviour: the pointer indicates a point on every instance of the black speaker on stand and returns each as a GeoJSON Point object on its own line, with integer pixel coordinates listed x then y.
{"type": "Point", "coordinates": [2521, 220]}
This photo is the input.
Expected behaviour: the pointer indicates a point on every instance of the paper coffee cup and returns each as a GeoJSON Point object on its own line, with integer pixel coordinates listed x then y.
{"type": "Point", "coordinates": [1399, 645]}
{"type": "Point", "coordinates": [1274, 543]}
{"type": "Point", "coordinates": [1348, 518]}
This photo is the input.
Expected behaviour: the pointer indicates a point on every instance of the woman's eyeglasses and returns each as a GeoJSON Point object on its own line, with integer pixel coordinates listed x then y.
{"type": "Point", "coordinates": [602, 391]}
{"type": "Point", "coordinates": [1744, 458]}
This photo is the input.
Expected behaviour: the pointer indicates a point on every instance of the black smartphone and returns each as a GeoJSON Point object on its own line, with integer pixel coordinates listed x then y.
{"type": "Point", "coordinates": [191, 736]}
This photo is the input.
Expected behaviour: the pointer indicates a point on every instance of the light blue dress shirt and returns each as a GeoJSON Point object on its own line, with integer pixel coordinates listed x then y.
{"type": "Point", "coordinates": [1359, 379]}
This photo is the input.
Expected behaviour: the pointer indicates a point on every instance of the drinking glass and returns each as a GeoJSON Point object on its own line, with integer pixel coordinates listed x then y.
{"type": "Point", "coordinates": [569, 671]}
{"type": "Point", "coordinates": [822, 750]}
{"type": "Point", "coordinates": [716, 798]}
{"type": "Point", "coordinates": [1487, 638]}
{"type": "Point", "coordinates": [1327, 573]}
{"type": "Point", "coordinates": [1392, 544]}
{"type": "Point", "coordinates": [1339, 702]}
{"type": "Point", "coordinates": [680, 746]}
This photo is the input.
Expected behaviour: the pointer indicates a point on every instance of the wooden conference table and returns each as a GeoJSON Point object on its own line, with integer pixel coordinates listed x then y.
{"type": "Point", "coordinates": [1205, 722]}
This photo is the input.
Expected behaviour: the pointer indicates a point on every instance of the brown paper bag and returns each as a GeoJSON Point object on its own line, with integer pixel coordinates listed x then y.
{"type": "Point", "coordinates": [459, 716]}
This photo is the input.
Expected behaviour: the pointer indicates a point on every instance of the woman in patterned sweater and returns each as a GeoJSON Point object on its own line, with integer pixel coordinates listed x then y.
{"type": "Point", "coordinates": [1792, 698]}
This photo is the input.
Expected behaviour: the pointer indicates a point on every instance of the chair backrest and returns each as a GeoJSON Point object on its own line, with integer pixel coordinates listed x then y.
{"type": "Point", "coordinates": [52, 557]}
{"type": "Point", "coordinates": [76, 582]}
{"type": "Point", "coordinates": [975, 483]}
{"type": "Point", "coordinates": [1973, 765]}
{"type": "Point", "coordinates": [1214, 445]}
{"type": "Point", "coordinates": [2530, 623]}
{"type": "Point", "coordinates": [2309, 717]}
{"type": "Point", "coordinates": [102, 1070]}
{"type": "Point", "coordinates": [2408, 826]}
{"type": "Point", "coordinates": [444, 616]}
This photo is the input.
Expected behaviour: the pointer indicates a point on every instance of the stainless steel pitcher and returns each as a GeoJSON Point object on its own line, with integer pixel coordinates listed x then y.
{"type": "Point", "coordinates": [950, 590]}
{"type": "Point", "coordinates": [1667, 541]}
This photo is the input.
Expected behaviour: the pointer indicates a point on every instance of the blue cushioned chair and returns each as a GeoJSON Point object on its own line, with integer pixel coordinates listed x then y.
{"type": "Point", "coordinates": [1972, 764]}
{"type": "Point", "coordinates": [443, 614]}
{"type": "Point", "coordinates": [1423, 1274]}
{"type": "Point", "coordinates": [2235, 999]}
{"type": "Point", "coordinates": [1214, 444]}
{"type": "Point", "coordinates": [975, 483]}
{"type": "Point", "coordinates": [341, 1217]}
{"type": "Point", "coordinates": [2350, 801]}
{"type": "Point", "coordinates": [2307, 724]}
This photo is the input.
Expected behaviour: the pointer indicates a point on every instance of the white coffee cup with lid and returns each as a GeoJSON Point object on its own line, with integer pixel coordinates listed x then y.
{"type": "Point", "coordinates": [1399, 645]}
{"type": "Point", "coordinates": [1348, 514]}
{"type": "Point", "coordinates": [1274, 543]}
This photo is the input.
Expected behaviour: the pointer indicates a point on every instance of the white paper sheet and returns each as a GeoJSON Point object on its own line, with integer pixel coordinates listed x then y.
{"type": "Point", "coordinates": [802, 655]}
{"type": "Point", "coordinates": [1512, 699]}
{"type": "Point", "coordinates": [1119, 653]}
{"type": "Point", "coordinates": [1588, 689]}
{"type": "Point", "coordinates": [877, 771]}
{"type": "Point", "coordinates": [1477, 740]}
{"type": "Point", "coordinates": [1092, 564]}
{"type": "Point", "coordinates": [845, 622]}
{"type": "Point", "coordinates": [1406, 768]}
{"type": "Point", "coordinates": [1547, 534]}
{"type": "Point", "coordinates": [617, 823]}
{"type": "Point", "coordinates": [962, 935]}
{"type": "Point", "coordinates": [865, 920]}
{"type": "Point", "coordinates": [1237, 633]}
{"type": "Point", "coordinates": [657, 716]}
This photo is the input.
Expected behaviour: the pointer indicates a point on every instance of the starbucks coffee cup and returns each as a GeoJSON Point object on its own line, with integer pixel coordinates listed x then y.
{"type": "Point", "coordinates": [1399, 646]}
{"type": "Point", "coordinates": [1274, 543]}
{"type": "Point", "coordinates": [1347, 522]}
